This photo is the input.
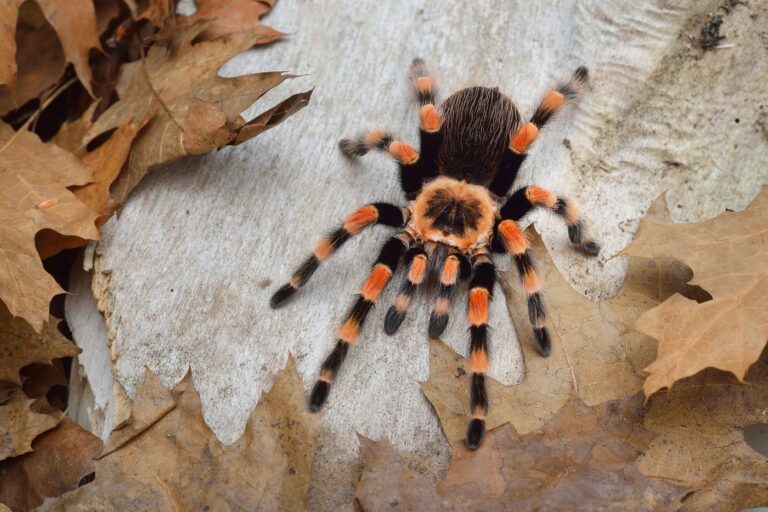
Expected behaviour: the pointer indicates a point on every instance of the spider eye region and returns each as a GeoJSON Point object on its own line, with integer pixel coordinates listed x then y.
{"type": "Point", "coordinates": [452, 215]}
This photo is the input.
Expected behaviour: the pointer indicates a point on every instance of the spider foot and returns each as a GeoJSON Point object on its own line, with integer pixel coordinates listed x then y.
{"type": "Point", "coordinates": [542, 341]}
{"type": "Point", "coordinates": [437, 324]}
{"type": "Point", "coordinates": [319, 395]}
{"type": "Point", "coordinates": [281, 296]}
{"type": "Point", "coordinates": [475, 433]}
{"type": "Point", "coordinates": [393, 320]}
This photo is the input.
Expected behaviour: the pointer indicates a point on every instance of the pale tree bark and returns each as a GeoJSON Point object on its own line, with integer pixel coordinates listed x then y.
{"type": "Point", "coordinates": [183, 276]}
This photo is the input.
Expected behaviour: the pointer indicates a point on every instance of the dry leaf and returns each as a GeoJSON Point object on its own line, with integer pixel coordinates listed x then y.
{"type": "Point", "coordinates": [21, 346]}
{"type": "Point", "coordinates": [9, 12]}
{"type": "Point", "coordinates": [75, 22]}
{"type": "Point", "coordinates": [178, 464]}
{"type": "Point", "coordinates": [684, 451]}
{"type": "Point", "coordinates": [33, 196]}
{"type": "Point", "coordinates": [583, 460]}
{"type": "Point", "coordinates": [39, 57]}
{"type": "Point", "coordinates": [170, 86]}
{"type": "Point", "coordinates": [152, 402]}
{"type": "Point", "coordinates": [729, 260]}
{"type": "Point", "coordinates": [593, 347]}
{"type": "Point", "coordinates": [699, 427]}
{"type": "Point", "coordinates": [105, 163]}
{"type": "Point", "coordinates": [159, 12]}
{"type": "Point", "coordinates": [60, 459]}
{"type": "Point", "coordinates": [19, 425]}
{"type": "Point", "coordinates": [233, 16]}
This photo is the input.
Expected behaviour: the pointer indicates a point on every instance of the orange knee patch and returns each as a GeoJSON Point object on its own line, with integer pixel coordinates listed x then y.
{"type": "Point", "coordinates": [326, 375]}
{"type": "Point", "coordinates": [374, 138]}
{"type": "Point", "coordinates": [513, 238]}
{"type": "Point", "coordinates": [418, 269]}
{"type": "Point", "coordinates": [361, 218]}
{"type": "Point", "coordinates": [531, 282]}
{"type": "Point", "coordinates": [349, 330]}
{"type": "Point", "coordinates": [430, 119]}
{"type": "Point", "coordinates": [450, 271]}
{"type": "Point", "coordinates": [403, 152]}
{"type": "Point", "coordinates": [478, 361]}
{"type": "Point", "coordinates": [442, 306]}
{"type": "Point", "coordinates": [324, 249]}
{"type": "Point", "coordinates": [523, 138]}
{"type": "Point", "coordinates": [553, 101]}
{"type": "Point", "coordinates": [571, 213]}
{"type": "Point", "coordinates": [424, 84]}
{"type": "Point", "coordinates": [479, 412]}
{"type": "Point", "coordinates": [478, 306]}
{"type": "Point", "coordinates": [376, 282]}
{"type": "Point", "coordinates": [541, 196]}
{"type": "Point", "coordinates": [402, 302]}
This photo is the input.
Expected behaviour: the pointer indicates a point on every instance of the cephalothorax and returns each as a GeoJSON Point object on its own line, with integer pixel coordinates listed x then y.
{"type": "Point", "coordinates": [459, 210]}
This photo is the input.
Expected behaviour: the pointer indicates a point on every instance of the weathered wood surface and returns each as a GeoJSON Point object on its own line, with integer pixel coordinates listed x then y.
{"type": "Point", "coordinates": [184, 275]}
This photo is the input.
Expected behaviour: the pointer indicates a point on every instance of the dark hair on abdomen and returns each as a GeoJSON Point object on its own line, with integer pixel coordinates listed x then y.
{"type": "Point", "coordinates": [476, 125]}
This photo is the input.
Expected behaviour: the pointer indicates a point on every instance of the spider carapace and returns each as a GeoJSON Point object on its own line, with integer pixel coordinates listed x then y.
{"type": "Point", "coordinates": [459, 210]}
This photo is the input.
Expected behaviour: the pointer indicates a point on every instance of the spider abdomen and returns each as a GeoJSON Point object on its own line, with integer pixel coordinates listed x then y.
{"type": "Point", "coordinates": [476, 125]}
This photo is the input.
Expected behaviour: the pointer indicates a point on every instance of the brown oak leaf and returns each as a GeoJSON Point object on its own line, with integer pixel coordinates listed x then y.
{"type": "Point", "coordinates": [178, 464]}
{"type": "Point", "coordinates": [171, 87]}
{"type": "Point", "coordinates": [105, 163]}
{"type": "Point", "coordinates": [33, 196]}
{"type": "Point", "coordinates": [38, 55]}
{"type": "Point", "coordinates": [59, 460]}
{"type": "Point", "coordinates": [19, 425]}
{"type": "Point", "coordinates": [684, 450]}
{"type": "Point", "coordinates": [20, 346]}
{"type": "Point", "coordinates": [729, 260]}
{"type": "Point", "coordinates": [233, 16]}
{"type": "Point", "coordinates": [75, 24]}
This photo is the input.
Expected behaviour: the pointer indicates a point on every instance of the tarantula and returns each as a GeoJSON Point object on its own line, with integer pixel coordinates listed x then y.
{"type": "Point", "coordinates": [472, 147]}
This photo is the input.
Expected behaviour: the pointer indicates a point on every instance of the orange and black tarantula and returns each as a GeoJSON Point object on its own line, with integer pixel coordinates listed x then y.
{"type": "Point", "coordinates": [459, 210]}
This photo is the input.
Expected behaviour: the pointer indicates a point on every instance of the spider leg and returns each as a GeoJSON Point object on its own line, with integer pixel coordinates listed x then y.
{"type": "Point", "coordinates": [414, 167]}
{"type": "Point", "coordinates": [480, 290]}
{"type": "Point", "coordinates": [521, 140]}
{"type": "Point", "coordinates": [527, 198]}
{"type": "Point", "coordinates": [416, 260]}
{"type": "Point", "coordinates": [383, 268]}
{"type": "Point", "coordinates": [375, 213]}
{"type": "Point", "coordinates": [517, 245]}
{"type": "Point", "coordinates": [449, 274]}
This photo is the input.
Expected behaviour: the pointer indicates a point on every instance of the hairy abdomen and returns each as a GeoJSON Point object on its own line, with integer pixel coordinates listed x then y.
{"type": "Point", "coordinates": [477, 123]}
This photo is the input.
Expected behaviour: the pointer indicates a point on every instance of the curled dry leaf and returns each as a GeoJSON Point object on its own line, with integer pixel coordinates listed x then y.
{"type": "Point", "coordinates": [171, 87]}
{"type": "Point", "coordinates": [594, 349]}
{"type": "Point", "coordinates": [60, 459]}
{"type": "Point", "coordinates": [729, 260]}
{"type": "Point", "coordinates": [19, 425]}
{"type": "Point", "coordinates": [178, 464]}
{"type": "Point", "coordinates": [33, 196]}
{"type": "Point", "coordinates": [233, 16]}
{"type": "Point", "coordinates": [21, 346]}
